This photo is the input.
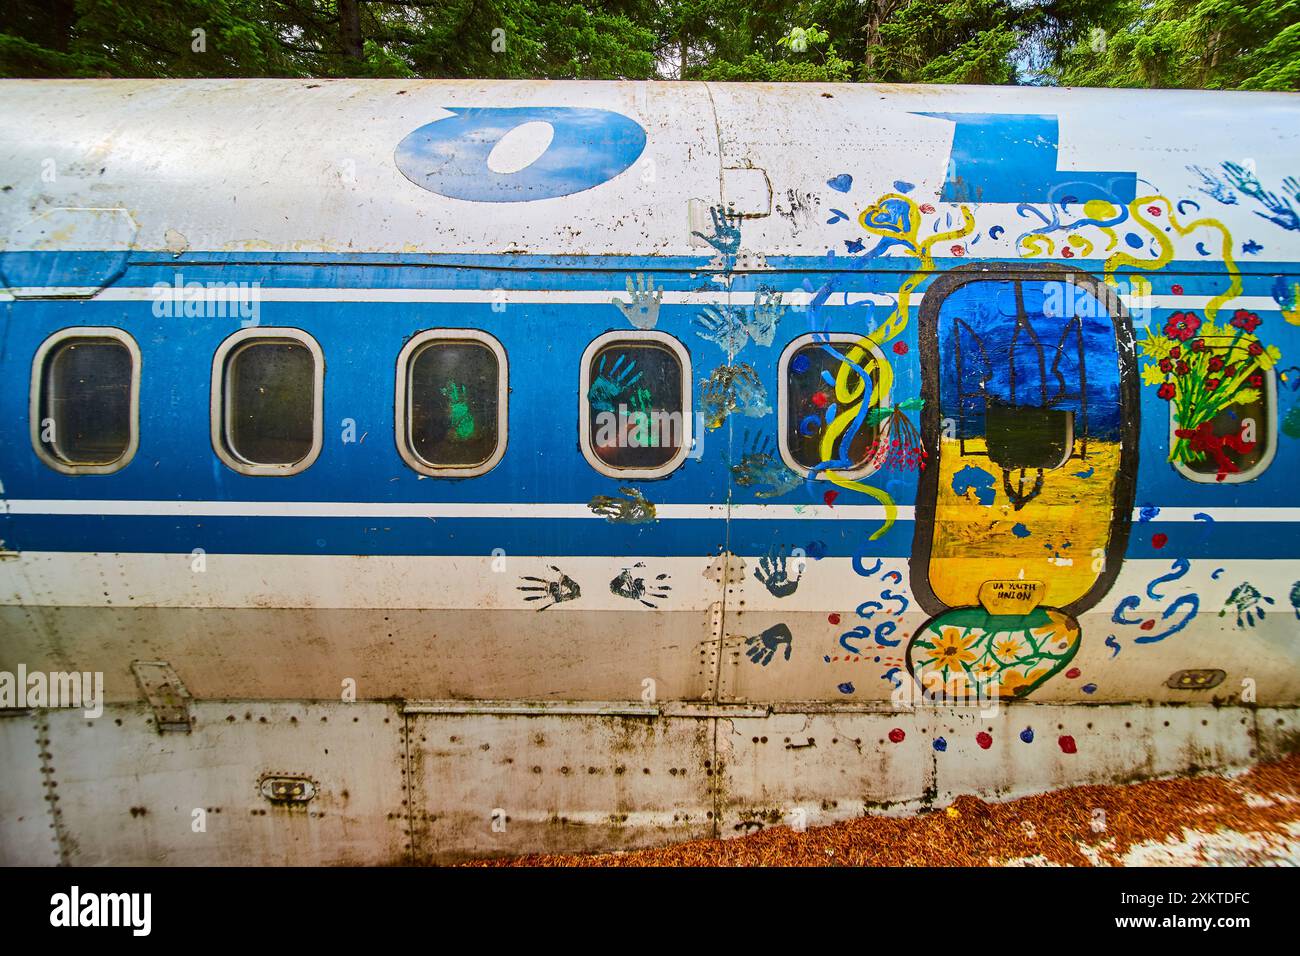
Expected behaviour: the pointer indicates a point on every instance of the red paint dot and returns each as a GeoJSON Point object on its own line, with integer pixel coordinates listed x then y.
{"type": "Point", "coordinates": [1067, 252]}
{"type": "Point", "coordinates": [927, 208]}
{"type": "Point", "coordinates": [897, 735]}
{"type": "Point", "coordinates": [819, 399]}
{"type": "Point", "coordinates": [833, 618]}
{"type": "Point", "coordinates": [1147, 625]}
{"type": "Point", "coordinates": [1159, 540]}
{"type": "Point", "coordinates": [1154, 210]}
{"type": "Point", "coordinates": [900, 348]}
{"type": "Point", "coordinates": [1176, 289]}
{"type": "Point", "coordinates": [1073, 672]}
{"type": "Point", "coordinates": [984, 739]}
{"type": "Point", "coordinates": [958, 250]}
{"type": "Point", "coordinates": [1067, 744]}
{"type": "Point", "coordinates": [830, 497]}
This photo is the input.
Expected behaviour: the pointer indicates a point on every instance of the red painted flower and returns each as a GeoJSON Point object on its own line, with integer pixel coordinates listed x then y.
{"type": "Point", "coordinates": [1182, 326]}
{"type": "Point", "coordinates": [1198, 345]}
{"type": "Point", "coordinates": [1246, 321]}
{"type": "Point", "coordinates": [1182, 368]}
{"type": "Point", "coordinates": [1257, 380]}
{"type": "Point", "coordinates": [1215, 363]}
{"type": "Point", "coordinates": [1255, 348]}
{"type": "Point", "coordinates": [1166, 365]}
{"type": "Point", "coordinates": [900, 348]}
{"type": "Point", "coordinates": [1212, 383]}
{"type": "Point", "coordinates": [1167, 391]}
{"type": "Point", "coordinates": [1176, 352]}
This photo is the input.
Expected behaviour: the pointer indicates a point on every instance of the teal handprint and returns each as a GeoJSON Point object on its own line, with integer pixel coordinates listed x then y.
{"type": "Point", "coordinates": [726, 231]}
{"type": "Point", "coordinates": [608, 386]}
{"type": "Point", "coordinates": [462, 421]}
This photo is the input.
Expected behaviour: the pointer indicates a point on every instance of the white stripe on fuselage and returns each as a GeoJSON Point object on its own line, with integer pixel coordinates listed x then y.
{"type": "Point", "coordinates": [536, 510]}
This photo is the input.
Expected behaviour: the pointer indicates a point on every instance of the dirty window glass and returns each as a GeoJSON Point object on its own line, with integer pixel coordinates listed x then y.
{"type": "Point", "coordinates": [636, 400]}
{"type": "Point", "coordinates": [453, 392]}
{"type": "Point", "coordinates": [810, 390]}
{"type": "Point", "coordinates": [270, 395]}
{"type": "Point", "coordinates": [86, 394]}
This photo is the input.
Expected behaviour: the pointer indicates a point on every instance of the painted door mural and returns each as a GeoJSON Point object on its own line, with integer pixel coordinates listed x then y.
{"type": "Point", "coordinates": [1031, 421]}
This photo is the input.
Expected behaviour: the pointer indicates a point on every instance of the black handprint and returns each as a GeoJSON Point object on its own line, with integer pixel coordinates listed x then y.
{"type": "Point", "coordinates": [773, 573]}
{"type": "Point", "coordinates": [637, 589]}
{"type": "Point", "coordinates": [563, 589]}
{"type": "Point", "coordinates": [763, 647]}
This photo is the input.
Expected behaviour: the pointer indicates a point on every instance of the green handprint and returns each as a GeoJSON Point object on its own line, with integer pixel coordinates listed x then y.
{"type": "Point", "coordinates": [462, 421]}
{"type": "Point", "coordinates": [640, 419]}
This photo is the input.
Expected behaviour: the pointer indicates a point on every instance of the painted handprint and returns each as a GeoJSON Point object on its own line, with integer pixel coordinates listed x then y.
{"type": "Point", "coordinates": [724, 325]}
{"type": "Point", "coordinates": [636, 588]}
{"type": "Point", "coordinates": [760, 468]}
{"type": "Point", "coordinates": [462, 421]}
{"type": "Point", "coordinates": [763, 647]}
{"type": "Point", "coordinates": [766, 314]}
{"type": "Point", "coordinates": [632, 508]}
{"type": "Point", "coordinates": [773, 572]}
{"type": "Point", "coordinates": [732, 388]}
{"type": "Point", "coordinates": [726, 231]}
{"type": "Point", "coordinates": [1278, 208]}
{"type": "Point", "coordinates": [562, 589]}
{"type": "Point", "coordinates": [1215, 187]}
{"type": "Point", "coordinates": [610, 385]}
{"type": "Point", "coordinates": [1248, 602]}
{"type": "Point", "coordinates": [643, 310]}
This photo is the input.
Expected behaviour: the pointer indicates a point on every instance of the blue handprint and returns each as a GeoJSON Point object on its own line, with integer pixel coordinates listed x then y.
{"type": "Point", "coordinates": [726, 231]}
{"type": "Point", "coordinates": [608, 386]}
{"type": "Point", "coordinates": [724, 325]}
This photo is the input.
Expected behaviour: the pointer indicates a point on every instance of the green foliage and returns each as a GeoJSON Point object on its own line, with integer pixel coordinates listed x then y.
{"type": "Point", "coordinates": [1212, 44]}
{"type": "Point", "coordinates": [1206, 44]}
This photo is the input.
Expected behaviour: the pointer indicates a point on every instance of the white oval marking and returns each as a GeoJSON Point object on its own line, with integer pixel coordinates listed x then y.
{"type": "Point", "coordinates": [521, 147]}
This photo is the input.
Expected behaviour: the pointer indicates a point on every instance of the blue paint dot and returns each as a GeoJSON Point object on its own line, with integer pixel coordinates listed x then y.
{"type": "Point", "coordinates": [853, 245]}
{"type": "Point", "coordinates": [940, 744]}
{"type": "Point", "coordinates": [826, 658]}
{"type": "Point", "coordinates": [995, 232]}
{"type": "Point", "coordinates": [903, 186]}
{"type": "Point", "coordinates": [1020, 531]}
{"type": "Point", "coordinates": [841, 183]}
{"type": "Point", "coordinates": [800, 363]}
{"type": "Point", "coordinates": [1027, 735]}
{"type": "Point", "coordinates": [809, 425]}
{"type": "Point", "coordinates": [875, 660]}
{"type": "Point", "coordinates": [1134, 240]}
{"type": "Point", "coordinates": [1148, 512]}
{"type": "Point", "coordinates": [1089, 688]}
{"type": "Point", "coordinates": [845, 688]}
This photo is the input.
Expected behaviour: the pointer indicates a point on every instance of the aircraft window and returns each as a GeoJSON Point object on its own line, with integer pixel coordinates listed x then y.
{"type": "Point", "coordinates": [808, 368]}
{"type": "Point", "coordinates": [1237, 442]}
{"type": "Point", "coordinates": [266, 398]}
{"type": "Point", "coordinates": [451, 402]}
{"type": "Point", "coordinates": [85, 400]}
{"type": "Point", "coordinates": [635, 404]}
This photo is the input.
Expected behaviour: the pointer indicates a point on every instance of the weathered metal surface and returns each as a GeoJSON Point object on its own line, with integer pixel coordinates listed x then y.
{"type": "Point", "coordinates": [442, 781]}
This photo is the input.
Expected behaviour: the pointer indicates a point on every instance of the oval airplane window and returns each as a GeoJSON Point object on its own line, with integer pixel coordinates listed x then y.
{"type": "Point", "coordinates": [521, 147]}
{"type": "Point", "coordinates": [85, 400]}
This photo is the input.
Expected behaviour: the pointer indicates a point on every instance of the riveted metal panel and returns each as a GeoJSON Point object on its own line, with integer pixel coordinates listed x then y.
{"type": "Point", "coordinates": [491, 785]}
{"type": "Point", "coordinates": [129, 796]}
{"type": "Point", "coordinates": [28, 833]}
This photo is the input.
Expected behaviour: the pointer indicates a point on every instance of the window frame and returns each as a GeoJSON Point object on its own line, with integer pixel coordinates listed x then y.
{"type": "Point", "coordinates": [401, 411]}
{"type": "Point", "coordinates": [219, 409]}
{"type": "Point", "coordinates": [36, 388]}
{"type": "Point", "coordinates": [584, 407]}
{"type": "Point", "coordinates": [1256, 470]}
{"type": "Point", "coordinates": [783, 401]}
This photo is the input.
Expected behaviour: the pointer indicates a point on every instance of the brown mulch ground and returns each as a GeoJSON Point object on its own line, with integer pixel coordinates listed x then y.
{"type": "Point", "coordinates": [1050, 827]}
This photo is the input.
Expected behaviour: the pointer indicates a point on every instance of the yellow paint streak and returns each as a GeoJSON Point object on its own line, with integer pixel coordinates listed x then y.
{"type": "Point", "coordinates": [973, 543]}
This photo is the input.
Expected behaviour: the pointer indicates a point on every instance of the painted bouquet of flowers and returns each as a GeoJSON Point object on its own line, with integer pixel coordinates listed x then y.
{"type": "Point", "coordinates": [1205, 370]}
